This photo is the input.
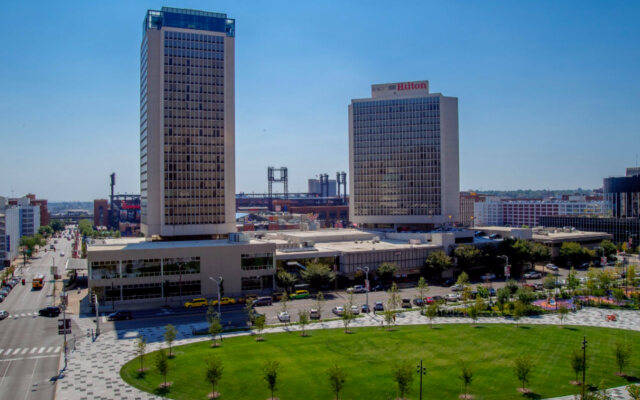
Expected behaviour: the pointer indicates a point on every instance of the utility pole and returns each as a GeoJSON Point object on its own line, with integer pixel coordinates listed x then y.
{"type": "Point", "coordinates": [421, 371]}
{"type": "Point", "coordinates": [64, 326]}
{"type": "Point", "coordinates": [218, 283]}
{"type": "Point", "coordinates": [584, 364]}
{"type": "Point", "coordinates": [366, 278]}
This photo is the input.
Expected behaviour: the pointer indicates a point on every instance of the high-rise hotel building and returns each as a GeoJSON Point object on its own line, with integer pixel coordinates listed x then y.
{"type": "Point", "coordinates": [403, 158]}
{"type": "Point", "coordinates": [187, 124]}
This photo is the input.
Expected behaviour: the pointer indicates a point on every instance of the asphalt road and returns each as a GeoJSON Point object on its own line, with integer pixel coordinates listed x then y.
{"type": "Point", "coordinates": [30, 347]}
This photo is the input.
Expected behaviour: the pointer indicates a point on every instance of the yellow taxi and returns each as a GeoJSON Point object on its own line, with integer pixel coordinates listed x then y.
{"type": "Point", "coordinates": [223, 301]}
{"type": "Point", "coordinates": [199, 302]}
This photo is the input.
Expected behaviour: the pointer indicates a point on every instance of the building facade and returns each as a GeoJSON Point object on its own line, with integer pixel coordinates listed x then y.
{"type": "Point", "coordinates": [467, 211]}
{"type": "Point", "coordinates": [101, 212]}
{"type": "Point", "coordinates": [10, 227]}
{"type": "Point", "coordinates": [622, 229]}
{"type": "Point", "coordinates": [497, 212]}
{"type": "Point", "coordinates": [315, 187]}
{"type": "Point", "coordinates": [403, 158]}
{"type": "Point", "coordinates": [187, 123]}
{"type": "Point", "coordinates": [622, 195]}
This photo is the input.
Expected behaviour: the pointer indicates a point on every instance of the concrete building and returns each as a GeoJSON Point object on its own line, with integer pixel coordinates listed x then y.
{"type": "Point", "coordinates": [187, 124]}
{"type": "Point", "coordinates": [510, 212]}
{"type": "Point", "coordinates": [9, 232]}
{"type": "Point", "coordinates": [621, 229]}
{"type": "Point", "coordinates": [622, 195]}
{"type": "Point", "coordinates": [467, 208]}
{"type": "Point", "coordinates": [403, 158]}
{"type": "Point", "coordinates": [144, 273]}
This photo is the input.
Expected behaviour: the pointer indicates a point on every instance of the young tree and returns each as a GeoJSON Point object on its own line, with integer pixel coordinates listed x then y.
{"type": "Point", "coordinates": [270, 371]}
{"type": "Point", "coordinates": [403, 375]}
{"type": "Point", "coordinates": [386, 271]}
{"type": "Point", "coordinates": [285, 280]}
{"type": "Point", "coordinates": [608, 247]}
{"type": "Point", "coordinates": [563, 310]}
{"type": "Point", "coordinates": [634, 391]}
{"type": "Point", "coordinates": [394, 297]}
{"type": "Point", "coordinates": [623, 354]}
{"type": "Point", "coordinates": [473, 314]}
{"type": "Point", "coordinates": [141, 349]}
{"type": "Point", "coordinates": [248, 310]}
{"type": "Point", "coordinates": [522, 367]}
{"type": "Point", "coordinates": [577, 364]}
{"type": "Point", "coordinates": [437, 262]}
{"type": "Point", "coordinates": [432, 312]}
{"type": "Point", "coordinates": [389, 318]}
{"type": "Point", "coordinates": [318, 275]}
{"type": "Point", "coordinates": [423, 289]}
{"type": "Point", "coordinates": [519, 310]}
{"type": "Point", "coordinates": [337, 378]}
{"type": "Point", "coordinates": [463, 279]}
{"type": "Point", "coordinates": [467, 255]}
{"type": "Point", "coordinates": [502, 297]}
{"type": "Point", "coordinates": [170, 333]}
{"type": "Point", "coordinates": [259, 322]}
{"type": "Point", "coordinates": [572, 280]}
{"type": "Point", "coordinates": [303, 318]}
{"type": "Point", "coordinates": [283, 301]}
{"type": "Point", "coordinates": [347, 317]}
{"type": "Point", "coordinates": [162, 364]}
{"type": "Point", "coordinates": [215, 329]}
{"type": "Point", "coordinates": [466, 376]}
{"type": "Point", "coordinates": [213, 374]}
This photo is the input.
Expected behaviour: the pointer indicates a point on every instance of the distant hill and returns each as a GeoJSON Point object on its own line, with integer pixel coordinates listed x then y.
{"type": "Point", "coordinates": [532, 194]}
{"type": "Point", "coordinates": [59, 206]}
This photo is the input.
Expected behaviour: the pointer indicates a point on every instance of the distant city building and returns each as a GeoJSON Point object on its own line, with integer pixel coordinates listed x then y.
{"type": "Point", "coordinates": [633, 171]}
{"type": "Point", "coordinates": [622, 195]}
{"type": "Point", "coordinates": [45, 217]}
{"type": "Point", "coordinates": [403, 158]}
{"type": "Point", "coordinates": [101, 212]}
{"type": "Point", "coordinates": [622, 229]}
{"type": "Point", "coordinates": [315, 187]}
{"type": "Point", "coordinates": [187, 123]}
{"type": "Point", "coordinates": [17, 218]}
{"type": "Point", "coordinates": [467, 212]}
{"type": "Point", "coordinates": [500, 212]}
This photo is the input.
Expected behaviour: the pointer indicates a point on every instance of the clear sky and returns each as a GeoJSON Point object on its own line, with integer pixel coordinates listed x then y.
{"type": "Point", "coordinates": [549, 92]}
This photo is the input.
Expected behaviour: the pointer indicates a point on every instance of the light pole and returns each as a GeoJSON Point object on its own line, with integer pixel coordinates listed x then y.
{"type": "Point", "coordinates": [421, 371]}
{"type": "Point", "coordinates": [366, 279]}
{"type": "Point", "coordinates": [218, 283]}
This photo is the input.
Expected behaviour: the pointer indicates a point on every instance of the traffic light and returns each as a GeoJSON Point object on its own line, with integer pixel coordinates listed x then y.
{"type": "Point", "coordinates": [23, 282]}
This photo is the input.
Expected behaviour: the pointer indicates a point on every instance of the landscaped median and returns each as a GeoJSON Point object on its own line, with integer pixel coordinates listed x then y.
{"type": "Point", "coordinates": [369, 357]}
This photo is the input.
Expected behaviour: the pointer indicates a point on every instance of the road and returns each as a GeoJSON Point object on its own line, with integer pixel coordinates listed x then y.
{"type": "Point", "coordinates": [30, 346]}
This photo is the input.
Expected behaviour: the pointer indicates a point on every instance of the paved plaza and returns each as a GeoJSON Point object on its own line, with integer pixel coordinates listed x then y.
{"type": "Point", "coordinates": [94, 366]}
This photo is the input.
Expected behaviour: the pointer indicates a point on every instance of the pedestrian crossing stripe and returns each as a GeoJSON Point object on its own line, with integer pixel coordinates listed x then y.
{"type": "Point", "coordinates": [29, 350]}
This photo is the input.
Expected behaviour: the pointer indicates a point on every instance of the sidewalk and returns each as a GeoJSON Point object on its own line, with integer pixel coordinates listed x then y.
{"type": "Point", "coordinates": [94, 367]}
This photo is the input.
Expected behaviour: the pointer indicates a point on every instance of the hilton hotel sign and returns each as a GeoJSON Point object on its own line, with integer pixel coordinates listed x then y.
{"type": "Point", "coordinates": [409, 89]}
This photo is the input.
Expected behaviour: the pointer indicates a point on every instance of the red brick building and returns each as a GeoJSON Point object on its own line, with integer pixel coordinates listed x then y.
{"type": "Point", "coordinates": [101, 212]}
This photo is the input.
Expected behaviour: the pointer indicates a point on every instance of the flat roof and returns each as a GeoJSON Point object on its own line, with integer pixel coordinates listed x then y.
{"type": "Point", "coordinates": [142, 244]}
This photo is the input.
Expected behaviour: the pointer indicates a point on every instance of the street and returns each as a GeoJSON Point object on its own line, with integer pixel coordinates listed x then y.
{"type": "Point", "coordinates": [30, 346]}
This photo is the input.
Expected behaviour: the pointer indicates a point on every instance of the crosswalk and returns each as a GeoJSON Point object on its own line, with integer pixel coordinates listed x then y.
{"type": "Point", "coordinates": [21, 351]}
{"type": "Point", "coordinates": [23, 314]}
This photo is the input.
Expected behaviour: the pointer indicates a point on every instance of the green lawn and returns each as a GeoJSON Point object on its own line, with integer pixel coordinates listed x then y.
{"type": "Point", "coordinates": [368, 355]}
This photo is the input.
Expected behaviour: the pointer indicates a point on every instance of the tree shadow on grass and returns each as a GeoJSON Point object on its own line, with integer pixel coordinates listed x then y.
{"type": "Point", "coordinates": [162, 390]}
{"type": "Point", "coordinates": [631, 379]}
{"type": "Point", "coordinates": [569, 328]}
{"type": "Point", "coordinates": [531, 395]}
{"type": "Point", "coordinates": [524, 327]}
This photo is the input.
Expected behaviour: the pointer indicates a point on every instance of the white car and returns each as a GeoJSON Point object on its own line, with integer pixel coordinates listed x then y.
{"type": "Point", "coordinates": [339, 310]}
{"type": "Point", "coordinates": [62, 254]}
{"type": "Point", "coordinates": [355, 310]}
{"type": "Point", "coordinates": [452, 297]}
{"type": "Point", "coordinates": [552, 267]}
{"type": "Point", "coordinates": [284, 317]}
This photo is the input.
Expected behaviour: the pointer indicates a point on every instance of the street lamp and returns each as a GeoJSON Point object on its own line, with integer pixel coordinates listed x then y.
{"type": "Point", "coordinates": [366, 280]}
{"type": "Point", "coordinates": [218, 283]}
{"type": "Point", "coordinates": [584, 363]}
{"type": "Point", "coordinates": [421, 371]}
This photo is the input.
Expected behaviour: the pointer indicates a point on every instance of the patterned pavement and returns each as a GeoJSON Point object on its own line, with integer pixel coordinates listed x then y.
{"type": "Point", "coordinates": [93, 367]}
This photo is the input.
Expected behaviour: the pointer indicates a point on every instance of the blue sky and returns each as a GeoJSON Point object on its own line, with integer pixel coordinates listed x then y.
{"type": "Point", "coordinates": [549, 92]}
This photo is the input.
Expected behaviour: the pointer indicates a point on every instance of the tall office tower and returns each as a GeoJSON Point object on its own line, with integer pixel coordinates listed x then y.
{"type": "Point", "coordinates": [187, 124]}
{"type": "Point", "coordinates": [403, 158]}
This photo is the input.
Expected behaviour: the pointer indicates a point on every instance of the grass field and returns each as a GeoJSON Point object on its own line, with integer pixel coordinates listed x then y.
{"type": "Point", "coordinates": [368, 354]}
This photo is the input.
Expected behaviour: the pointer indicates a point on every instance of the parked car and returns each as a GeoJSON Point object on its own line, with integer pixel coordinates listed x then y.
{"type": "Point", "coordinates": [378, 306]}
{"type": "Point", "coordinates": [448, 282]}
{"type": "Point", "coordinates": [538, 286]}
{"type": "Point", "coordinates": [223, 301]}
{"type": "Point", "coordinates": [584, 266]}
{"type": "Point", "coordinates": [3, 314]}
{"type": "Point", "coordinates": [492, 291]}
{"type": "Point", "coordinates": [418, 301]}
{"type": "Point", "coordinates": [437, 298]}
{"type": "Point", "coordinates": [355, 310]}
{"type": "Point", "coordinates": [314, 313]}
{"type": "Point", "coordinates": [406, 303]}
{"type": "Point", "coordinates": [428, 300]}
{"type": "Point", "coordinates": [551, 267]}
{"type": "Point", "coordinates": [49, 311]}
{"type": "Point", "coordinates": [338, 310]}
{"type": "Point", "coordinates": [365, 308]}
{"type": "Point", "coordinates": [118, 315]}
{"type": "Point", "coordinates": [199, 302]}
{"type": "Point", "coordinates": [277, 296]}
{"type": "Point", "coordinates": [488, 277]}
{"type": "Point", "coordinates": [452, 297]}
{"type": "Point", "coordinates": [532, 275]}
{"type": "Point", "coordinates": [62, 254]}
{"type": "Point", "coordinates": [284, 317]}
{"type": "Point", "coordinates": [1, 298]}
{"type": "Point", "coordinates": [262, 301]}
{"type": "Point", "coordinates": [379, 288]}
{"type": "Point", "coordinates": [457, 288]}
{"type": "Point", "coordinates": [357, 289]}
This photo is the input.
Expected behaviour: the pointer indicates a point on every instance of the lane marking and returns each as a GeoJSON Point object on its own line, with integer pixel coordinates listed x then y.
{"type": "Point", "coordinates": [49, 349]}
{"type": "Point", "coordinates": [5, 372]}
{"type": "Point", "coordinates": [33, 350]}
{"type": "Point", "coordinates": [24, 351]}
{"type": "Point", "coordinates": [8, 352]}
{"type": "Point", "coordinates": [41, 349]}
{"type": "Point", "coordinates": [57, 349]}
